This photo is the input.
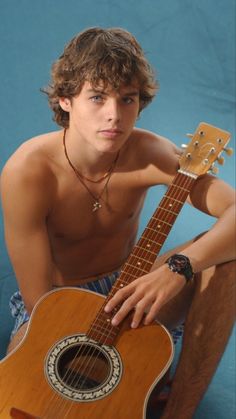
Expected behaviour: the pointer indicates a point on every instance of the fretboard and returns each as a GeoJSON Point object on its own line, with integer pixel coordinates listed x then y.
{"type": "Point", "coordinates": [144, 253]}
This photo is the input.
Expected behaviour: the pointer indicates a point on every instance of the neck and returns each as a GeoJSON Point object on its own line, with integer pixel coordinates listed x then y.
{"type": "Point", "coordinates": [86, 159]}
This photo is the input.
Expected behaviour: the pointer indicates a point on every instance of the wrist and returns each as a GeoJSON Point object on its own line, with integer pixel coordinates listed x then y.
{"type": "Point", "coordinates": [181, 265]}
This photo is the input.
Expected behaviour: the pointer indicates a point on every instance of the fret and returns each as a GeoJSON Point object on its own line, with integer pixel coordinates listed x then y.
{"type": "Point", "coordinates": [159, 230]}
{"type": "Point", "coordinates": [136, 267]}
{"type": "Point", "coordinates": [161, 221]}
{"type": "Point", "coordinates": [124, 279]}
{"type": "Point", "coordinates": [180, 187]}
{"type": "Point", "coordinates": [174, 207]}
{"type": "Point", "coordinates": [104, 319]}
{"type": "Point", "coordinates": [148, 240]}
{"type": "Point", "coordinates": [152, 229]}
{"type": "Point", "coordinates": [171, 212]}
{"type": "Point", "coordinates": [102, 324]}
{"type": "Point", "coordinates": [174, 199]}
{"type": "Point", "coordinates": [158, 226]}
{"type": "Point", "coordinates": [126, 274]}
{"type": "Point", "coordinates": [138, 258]}
{"type": "Point", "coordinates": [121, 284]}
{"type": "Point", "coordinates": [147, 256]}
{"type": "Point", "coordinates": [145, 250]}
{"type": "Point", "coordinates": [103, 331]}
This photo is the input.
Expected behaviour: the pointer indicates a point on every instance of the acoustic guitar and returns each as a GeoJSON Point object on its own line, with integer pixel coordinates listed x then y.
{"type": "Point", "coordinates": [73, 363]}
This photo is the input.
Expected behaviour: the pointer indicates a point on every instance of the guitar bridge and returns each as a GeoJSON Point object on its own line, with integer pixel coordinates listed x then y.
{"type": "Point", "coordinates": [20, 414]}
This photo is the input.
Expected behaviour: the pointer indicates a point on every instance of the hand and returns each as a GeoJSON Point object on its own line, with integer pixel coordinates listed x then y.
{"type": "Point", "coordinates": [146, 294]}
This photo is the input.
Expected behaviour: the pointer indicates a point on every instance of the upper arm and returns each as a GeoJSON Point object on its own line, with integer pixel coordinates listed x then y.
{"type": "Point", "coordinates": [158, 156]}
{"type": "Point", "coordinates": [212, 195]}
{"type": "Point", "coordinates": [25, 208]}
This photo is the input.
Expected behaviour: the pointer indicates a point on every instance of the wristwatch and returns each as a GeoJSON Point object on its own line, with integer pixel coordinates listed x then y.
{"type": "Point", "coordinates": [181, 265]}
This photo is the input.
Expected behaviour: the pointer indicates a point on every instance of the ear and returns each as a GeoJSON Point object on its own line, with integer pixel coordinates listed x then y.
{"type": "Point", "coordinates": [65, 104]}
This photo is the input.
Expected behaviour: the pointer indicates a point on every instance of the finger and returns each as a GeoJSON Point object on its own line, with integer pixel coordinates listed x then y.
{"type": "Point", "coordinates": [152, 314]}
{"type": "Point", "coordinates": [124, 310]}
{"type": "Point", "coordinates": [118, 298]}
{"type": "Point", "coordinates": [139, 313]}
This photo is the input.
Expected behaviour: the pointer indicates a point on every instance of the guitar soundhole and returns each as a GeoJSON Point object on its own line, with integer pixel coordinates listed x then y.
{"type": "Point", "coordinates": [81, 370]}
{"type": "Point", "coordinates": [83, 367]}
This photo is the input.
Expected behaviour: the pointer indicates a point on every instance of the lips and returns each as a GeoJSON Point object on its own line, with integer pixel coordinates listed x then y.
{"type": "Point", "coordinates": [115, 130]}
{"type": "Point", "coordinates": [111, 132]}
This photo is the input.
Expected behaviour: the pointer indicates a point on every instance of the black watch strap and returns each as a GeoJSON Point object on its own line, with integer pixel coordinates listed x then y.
{"type": "Point", "coordinates": [180, 264]}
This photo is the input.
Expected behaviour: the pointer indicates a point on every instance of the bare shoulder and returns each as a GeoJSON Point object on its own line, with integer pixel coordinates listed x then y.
{"type": "Point", "coordinates": [157, 156]}
{"type": "Point", "coordinates": [33, 151]}
{"type": "Point", "coordinates": [30, 166]}
{"type": "Point", "coordinates": [33, 157]}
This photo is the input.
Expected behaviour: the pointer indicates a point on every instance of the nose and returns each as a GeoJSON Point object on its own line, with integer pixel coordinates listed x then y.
{"type": "Point", "coordinates": [113, 110]}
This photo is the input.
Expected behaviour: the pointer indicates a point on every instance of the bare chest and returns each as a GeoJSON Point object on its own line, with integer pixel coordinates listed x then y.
{"type": "Point", "coordinates": [81, 213]}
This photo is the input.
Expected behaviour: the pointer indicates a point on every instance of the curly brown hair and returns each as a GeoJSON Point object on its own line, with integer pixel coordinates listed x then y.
{"type": "Point", "coordinates": [112, 56]}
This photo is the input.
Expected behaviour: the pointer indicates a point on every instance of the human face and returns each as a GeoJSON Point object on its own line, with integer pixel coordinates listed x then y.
{"type": "Point", "coordinates": [104, 118]}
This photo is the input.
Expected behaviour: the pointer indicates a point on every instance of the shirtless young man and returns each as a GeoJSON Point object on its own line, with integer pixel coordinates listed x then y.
{"type": "Point", "coordinates": [71, 211]}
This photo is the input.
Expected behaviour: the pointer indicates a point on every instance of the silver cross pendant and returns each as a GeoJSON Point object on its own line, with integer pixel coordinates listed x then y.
{"type": "Point", "coordinates": [96, 206]}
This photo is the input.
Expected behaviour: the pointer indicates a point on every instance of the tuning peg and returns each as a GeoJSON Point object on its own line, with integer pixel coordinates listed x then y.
{"type": "Point", "coordinates": [189, 135]}
{"type": "Point", "coordinates": [221, 160]}
{"type": "Point", "coordinates": [214, 170]}
{"type": "Point", "coordinates": [229, 151]}
{"type": "Point", "coordinates": [184, 146]}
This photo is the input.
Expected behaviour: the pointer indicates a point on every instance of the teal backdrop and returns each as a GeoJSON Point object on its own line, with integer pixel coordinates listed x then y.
{"type": "Point", "coordinates": [190, 43]}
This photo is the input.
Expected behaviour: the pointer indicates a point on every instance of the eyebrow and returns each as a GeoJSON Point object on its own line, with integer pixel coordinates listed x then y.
{"type": "Point", "coordinates": [131, 93]}
{"type": "Point", "coordinates": [96, 91]}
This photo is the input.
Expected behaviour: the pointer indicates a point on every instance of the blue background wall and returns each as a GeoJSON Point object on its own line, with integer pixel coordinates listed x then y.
{"type": "Point", "coordinates": [191, 44]}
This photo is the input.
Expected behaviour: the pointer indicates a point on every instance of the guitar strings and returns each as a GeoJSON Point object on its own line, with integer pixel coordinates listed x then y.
{"type": "Point", "coordinates": [106, 330]}
{"type": "Point", "coordinates": [183, 192]}
{"type": "Point", "coordinates": [105, 334]}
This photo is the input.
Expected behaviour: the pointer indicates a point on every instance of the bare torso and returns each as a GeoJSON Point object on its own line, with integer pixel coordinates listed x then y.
{"type": "Point", "coordinates": [87, 243]}
{"type": "Point", "coordinates": [84, 244]}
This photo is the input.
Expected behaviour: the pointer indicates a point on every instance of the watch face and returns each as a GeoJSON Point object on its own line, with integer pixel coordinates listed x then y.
{"type": "Point", "coordinates": [181, 265]}
{"type": "Point", "coordinates": [178, 262]}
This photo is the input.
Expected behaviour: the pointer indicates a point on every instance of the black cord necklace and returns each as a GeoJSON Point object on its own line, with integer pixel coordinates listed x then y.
{"type": "Point", "coordinates": [97, 199]}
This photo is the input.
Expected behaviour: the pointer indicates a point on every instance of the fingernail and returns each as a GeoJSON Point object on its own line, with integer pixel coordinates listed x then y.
{"type": "Point", "coordinates": [106, 308]}
{"type": "Point", "coordinates": [133, 325]}
{"type": "Point", "coordinates": [114, 322]}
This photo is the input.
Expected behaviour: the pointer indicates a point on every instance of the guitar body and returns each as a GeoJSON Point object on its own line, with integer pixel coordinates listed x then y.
{"type": "Point", "coordinates": [37, 378]}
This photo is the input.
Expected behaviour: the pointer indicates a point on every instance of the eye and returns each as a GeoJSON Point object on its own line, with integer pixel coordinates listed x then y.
{"type": "Point", "coordinates": [128, 100]}
{"type": "Point", "coordinates": [96, 98]}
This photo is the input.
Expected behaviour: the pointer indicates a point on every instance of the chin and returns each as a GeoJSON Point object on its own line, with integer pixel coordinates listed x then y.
{"type": "Point", "coordinates": [111, 147]}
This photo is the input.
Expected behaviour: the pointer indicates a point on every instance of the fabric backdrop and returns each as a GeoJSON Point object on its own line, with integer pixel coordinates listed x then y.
{"type": "Point", "coordinates": [190, 43]}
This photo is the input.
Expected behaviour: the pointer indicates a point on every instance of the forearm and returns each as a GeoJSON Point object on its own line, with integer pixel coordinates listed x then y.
{"type": "Point", "coordinates": [216, 246]}
{"type": "Point", "coordinates": [32, 263]}
{"type": "Point", "coordinates": [33, 284]}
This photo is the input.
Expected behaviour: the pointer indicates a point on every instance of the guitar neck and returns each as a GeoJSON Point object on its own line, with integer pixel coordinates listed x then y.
{"type": "Point", "coordinates": [146, 250]}
{"type": "Point", "coordinates": [150, 243]}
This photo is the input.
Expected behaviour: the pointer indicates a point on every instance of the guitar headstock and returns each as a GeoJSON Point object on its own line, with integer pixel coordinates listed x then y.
{"type": "Point", "coordinates": [206, 145]}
